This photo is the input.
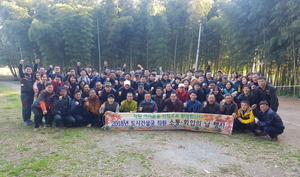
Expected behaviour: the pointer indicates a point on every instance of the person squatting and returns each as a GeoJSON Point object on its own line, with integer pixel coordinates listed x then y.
{"type": "Point", "coordinates": [83, 96]}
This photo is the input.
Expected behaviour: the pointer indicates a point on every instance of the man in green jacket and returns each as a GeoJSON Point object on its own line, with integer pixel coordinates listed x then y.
{"type": "Point", "coordinates": [128, 105]}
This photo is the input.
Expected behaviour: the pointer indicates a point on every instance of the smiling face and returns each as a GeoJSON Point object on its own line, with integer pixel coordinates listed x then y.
{"type": "Point", "coordinates": [28, 70]}
{"type": "Point", "coordinates": [147, 97]}
{"type": "Point", "coordinates": [228, 99]}
{"type": "Point", "coordinates": [211, 99]}
{"type": "Point", "coordinates": [92, 93]}
{"type": "Point", "coordinates": [86, 88]}
{"type": "Point", "coordinates": [49, 88]}
{"type": "Point", "coordinates": [264, 107]}
{"type": "Point", "coordinates": [72, 79]}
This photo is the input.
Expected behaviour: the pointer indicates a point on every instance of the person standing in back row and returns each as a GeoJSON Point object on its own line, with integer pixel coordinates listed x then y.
{"type": "Point", "coordinates": [27, 93]}
{"type": "Point", "coordinates": [267, 92]}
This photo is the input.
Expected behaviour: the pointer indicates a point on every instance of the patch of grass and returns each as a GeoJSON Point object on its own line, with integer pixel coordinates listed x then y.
{"type": "Point", "coordinates": [190, 171]}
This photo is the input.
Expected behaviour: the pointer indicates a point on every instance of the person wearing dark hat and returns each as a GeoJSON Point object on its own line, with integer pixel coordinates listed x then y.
{"type": "Point", "coordinates": [224, 80]}
{"type": "Point", "coordinates": [267, 92]}
{"type": "Point", "coordinates": [107, 90]}
{"type": "Point", "coordinates": [268, 120]}
{"type": "Point", "coordinates": [27, 93]}
{"type": "Point", "coordinates": [139, 93]}
{"type": "Point", "coordinates": [154, 70]}
{"type": "Point", "coordinates": [107, 107]}
{"type": "Point", "coordinates": [201, 96]}
{"type": "Point", "coordinates": [62, 107]}
{"type": "Point", "coordinates": [143, 80]}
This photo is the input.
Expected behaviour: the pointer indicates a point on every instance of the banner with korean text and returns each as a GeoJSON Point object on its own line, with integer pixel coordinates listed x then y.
{"type": "Point", "coordinates": [214, 123]}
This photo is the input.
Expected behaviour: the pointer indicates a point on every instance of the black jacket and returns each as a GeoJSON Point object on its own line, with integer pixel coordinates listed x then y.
{"type": "Point", "coordinates": [211, 108]}
{"type": "Point", "coordinates": [27, 81]}
{"type": "Point", "coordinates": [268, 94]}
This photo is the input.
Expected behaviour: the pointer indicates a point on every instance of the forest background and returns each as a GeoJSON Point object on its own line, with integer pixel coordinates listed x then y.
{"type": "Point", "coordinates": [236, 35]}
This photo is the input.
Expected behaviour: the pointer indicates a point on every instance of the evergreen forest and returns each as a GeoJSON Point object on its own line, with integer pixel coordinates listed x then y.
{"type": "Point", "coordinates": [236, 35]}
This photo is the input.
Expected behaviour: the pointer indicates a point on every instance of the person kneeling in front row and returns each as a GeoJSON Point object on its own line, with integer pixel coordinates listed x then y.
{"type": "Point", "coordinates": [62, 106]}
{"type": "Point", "coordinates": [107, 107]}
{"type": "Point", "coordinates": [244, 120]}
{"type": "Point", "coordinates": [268, 120]}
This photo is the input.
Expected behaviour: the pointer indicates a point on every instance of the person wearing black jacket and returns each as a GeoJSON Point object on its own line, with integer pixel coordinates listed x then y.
{"type": "Point", "coordinates": [201, 96]}
{"type": "Point", "coordinates": [77, 109]}
{"type": "Point", "coordinates": [210, 106]}
{"type": "Point", "coordinates": [139, 93]}
{"type": "Point", "coordinates": [267, 92]}
{"type": "Point", "coordinates": [27, 93]}
{"type": "Point", "coordinates": [269, 121]}
{"type": "Point", "coordinates": [106, 91]}
{"type": "Point", "coordinates": [62, 107]}
{"type": "Point", "coordinates": [124, 90]}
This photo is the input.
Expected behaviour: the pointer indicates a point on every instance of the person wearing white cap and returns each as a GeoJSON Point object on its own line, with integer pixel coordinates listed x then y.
{"type": "Point", "coordinates": [124, 90]}
{"type": "Point", "coordinates": [182, 94]}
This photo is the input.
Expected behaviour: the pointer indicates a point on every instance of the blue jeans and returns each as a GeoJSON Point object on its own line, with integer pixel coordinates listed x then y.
{"type": "Point", "coordinates": [27, 100]}
{"type": "Point", "coordinates": [67, 120]}
{"type": "Point", "coordinates": [78, 118]}
{"type": "Point", "coordinates": [272, 131]}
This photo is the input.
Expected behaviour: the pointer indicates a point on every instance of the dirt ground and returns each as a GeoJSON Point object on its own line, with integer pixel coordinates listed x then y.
{"type": "Point", "coordinates": [184, 153]}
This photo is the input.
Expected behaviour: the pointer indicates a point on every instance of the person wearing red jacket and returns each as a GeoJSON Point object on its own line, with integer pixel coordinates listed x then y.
{"type": "Point", "coordinates": [43, 106]}
{"type": "Point", "coordinates": [182, 94]}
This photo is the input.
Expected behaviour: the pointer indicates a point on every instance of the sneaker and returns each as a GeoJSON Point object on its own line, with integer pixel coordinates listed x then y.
{"type": "Point", "coordinates": [275, 138]}
{"type": "Point", "coordinates": [262, 133]}
{"type": "Point", "coordinates": [30, 121]}
{"type": "Point", "coordinates": [36, 129]}
{"type": "Point", "coordinates": [26, 123]}
{"type": "Point", "coordinates": [254, 133]}
{"type": "Point", "coordinates": [89, 125]}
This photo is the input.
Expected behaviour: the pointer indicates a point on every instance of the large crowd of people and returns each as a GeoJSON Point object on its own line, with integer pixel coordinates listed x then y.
{"type": "Point", "coordinates": [83, 95]}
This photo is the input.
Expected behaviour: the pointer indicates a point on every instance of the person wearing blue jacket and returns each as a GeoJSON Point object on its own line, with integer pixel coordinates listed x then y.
{"type": "Point", "coordinates": [77, 109]}
{"type": "Point", "coordinates": [62, 106]}
{"type": "Point", "coordinates": [268, 120]}
{"type": "Point", "coordinates": [192, 105]}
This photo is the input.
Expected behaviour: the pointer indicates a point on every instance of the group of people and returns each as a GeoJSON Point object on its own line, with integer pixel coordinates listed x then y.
{"type": "Point", "coordinates": [82, 96]}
